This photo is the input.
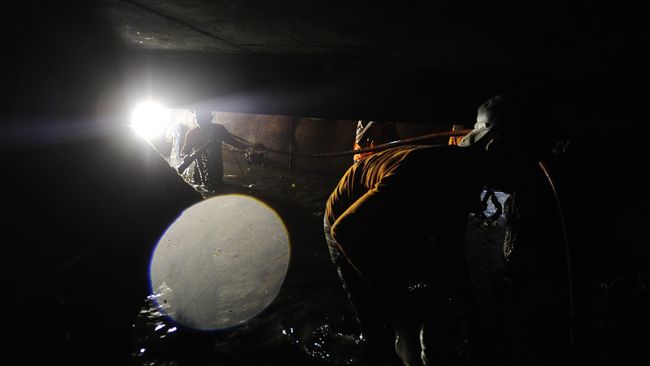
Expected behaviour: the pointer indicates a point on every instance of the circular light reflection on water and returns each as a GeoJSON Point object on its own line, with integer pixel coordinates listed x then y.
{"type": "Point", "coordinates": [222, 262]}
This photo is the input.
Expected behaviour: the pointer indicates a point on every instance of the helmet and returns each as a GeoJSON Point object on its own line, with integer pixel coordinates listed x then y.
{"type": "Point", "coordinates": [204, 117]}
{"type": "Point", "coordinates": [498, 115]}
{"type": "Point", "coordinates": [500, 111]}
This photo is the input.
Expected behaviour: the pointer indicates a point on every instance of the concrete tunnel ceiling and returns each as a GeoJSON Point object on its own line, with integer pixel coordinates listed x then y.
{"type": "Point", "coordinates": [368, 30]}
{"type": "Point", "coordinates": [379, 49]}
{"type": "Point", "coordinates": [340, 59]}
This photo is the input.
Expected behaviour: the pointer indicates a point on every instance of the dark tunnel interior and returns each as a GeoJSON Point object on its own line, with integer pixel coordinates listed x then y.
{"type": "Point", "coordinates": [87, 201]}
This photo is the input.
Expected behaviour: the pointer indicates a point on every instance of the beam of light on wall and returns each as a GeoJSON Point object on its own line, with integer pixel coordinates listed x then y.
{"type": "Point", "coordinates": [221, 263]}
{"type": "Point", "coordinates": [150, 119]}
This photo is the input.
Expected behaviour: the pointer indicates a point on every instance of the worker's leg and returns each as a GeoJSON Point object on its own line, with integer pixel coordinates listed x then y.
{"type": "Point", "coordinates": [373, 309]}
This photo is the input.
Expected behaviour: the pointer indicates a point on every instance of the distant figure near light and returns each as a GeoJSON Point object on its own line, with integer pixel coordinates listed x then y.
{"type": "Point", "coordinates": [209, 164]}
{"type": "Point", "coordinates": [372, 133]}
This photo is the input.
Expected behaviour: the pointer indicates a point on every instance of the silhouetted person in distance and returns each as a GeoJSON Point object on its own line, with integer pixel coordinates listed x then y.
{"type": "Point", "coordinates": [395, 231]}
{"type": "Point", "coordinates": [209, 164]}
{"type": "Point", "coordinates": [370, 134]}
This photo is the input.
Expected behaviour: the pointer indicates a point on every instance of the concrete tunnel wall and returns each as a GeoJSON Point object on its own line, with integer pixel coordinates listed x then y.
{"type": "Point", "coordinates": [305, 135]}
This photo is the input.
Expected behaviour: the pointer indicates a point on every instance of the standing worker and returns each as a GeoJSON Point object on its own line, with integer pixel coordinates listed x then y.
{"type": "Point", "coordinates": [209, 164]}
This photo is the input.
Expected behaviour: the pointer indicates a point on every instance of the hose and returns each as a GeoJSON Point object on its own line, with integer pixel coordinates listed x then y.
{"type": "Point", "coordinates": [567, 254]}
{"type": "Point", "coordinates": [385, 146]}
{"type": "Point", "coordinates": [188, 159]}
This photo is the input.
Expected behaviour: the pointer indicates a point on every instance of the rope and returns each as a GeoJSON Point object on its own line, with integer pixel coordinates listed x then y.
{"type": "Point", "coordinates": [385, 146]}
{"type": "Point", "coordinates": [188, 159]}
{"type": "Point", "coordinates": [238, 165]}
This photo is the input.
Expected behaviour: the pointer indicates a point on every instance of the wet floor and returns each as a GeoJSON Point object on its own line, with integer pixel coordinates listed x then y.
{"type": "Point", "coordinates": [76, 258]}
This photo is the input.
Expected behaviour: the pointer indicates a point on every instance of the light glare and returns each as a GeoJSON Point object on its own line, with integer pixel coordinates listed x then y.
{"type": "Point", "coordinates": [221, 263]}
{"type": "Point", "coordinates": [149, 119]}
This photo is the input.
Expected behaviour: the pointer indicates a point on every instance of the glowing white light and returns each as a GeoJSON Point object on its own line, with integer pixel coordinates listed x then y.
{"type": "Point", "coordinates": [149, 119]}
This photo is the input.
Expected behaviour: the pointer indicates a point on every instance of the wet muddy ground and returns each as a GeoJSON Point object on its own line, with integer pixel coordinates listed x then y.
{"type": "Point", "coordinates": [79, 240]}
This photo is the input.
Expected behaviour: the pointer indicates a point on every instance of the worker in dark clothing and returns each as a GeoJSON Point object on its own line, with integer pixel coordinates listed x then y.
{"type": "Point", "coordinates": [209, 163]}
{"type": "Point", "coordinates": [396, 235]}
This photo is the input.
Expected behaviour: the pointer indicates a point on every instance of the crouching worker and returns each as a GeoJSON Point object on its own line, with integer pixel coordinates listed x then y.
{"type": "Point", "coordinates": [395, 224]}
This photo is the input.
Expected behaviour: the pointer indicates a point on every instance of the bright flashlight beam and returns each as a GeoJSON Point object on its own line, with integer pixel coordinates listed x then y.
{"type": "Point", "coordinates": [149, 119]}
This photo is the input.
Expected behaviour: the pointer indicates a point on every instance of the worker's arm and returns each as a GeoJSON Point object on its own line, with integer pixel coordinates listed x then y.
{"type": "Point", "coordinates": [229, 139]}
{"type": "Point", "coordinates": [187, 143]}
